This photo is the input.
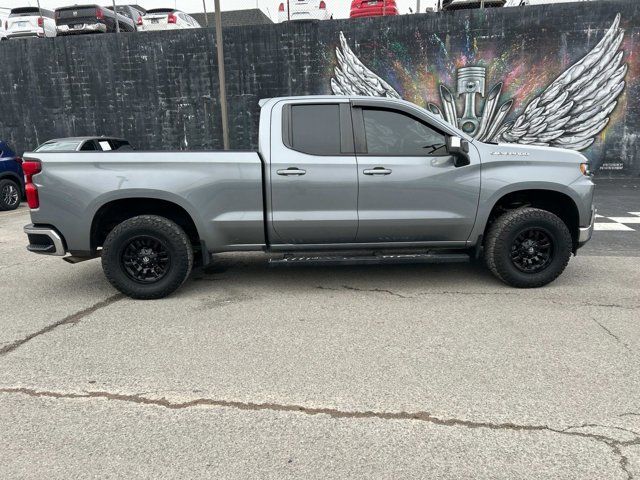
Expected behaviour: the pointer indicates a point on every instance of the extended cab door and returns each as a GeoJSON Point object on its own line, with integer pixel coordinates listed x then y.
{"type": "Point", "coordinates": [410, 187]}
{"type": "Point", "coordinates": [313, 173]}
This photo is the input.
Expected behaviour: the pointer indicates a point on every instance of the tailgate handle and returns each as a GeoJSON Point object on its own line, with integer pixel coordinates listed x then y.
{"type": "Point", "coordinates": [291, 171]}
{"type": "Point", "coordinates": [377, 171]}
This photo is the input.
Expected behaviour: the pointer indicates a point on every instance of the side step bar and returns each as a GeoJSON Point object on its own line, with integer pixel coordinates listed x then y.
{"type": "Point", "coordinates": [429, 257]}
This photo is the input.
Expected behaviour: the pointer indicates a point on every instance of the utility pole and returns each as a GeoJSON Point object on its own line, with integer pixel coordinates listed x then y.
{"type": "Point", "coordinates": [221, 77]}
{"type": "Point", "coordinates": [44, 32]}
{"type": "Point", "coordinates": [206, 17]}
{"type": "Point", "coordinates": [115, 12]}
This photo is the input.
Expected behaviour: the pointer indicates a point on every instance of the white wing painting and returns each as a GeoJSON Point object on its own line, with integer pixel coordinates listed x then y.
{"type": "Point", "coordinates": [570, 113]}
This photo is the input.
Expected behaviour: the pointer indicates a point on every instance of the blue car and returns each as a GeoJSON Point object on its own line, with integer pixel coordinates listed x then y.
{"type": "Point", "coordinates": [11, 178]}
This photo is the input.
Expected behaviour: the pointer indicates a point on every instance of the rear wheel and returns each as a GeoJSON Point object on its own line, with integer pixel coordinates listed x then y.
{"type": "Point", "coordinates": [9, 195]}
{"type": "Point", "coordinates": [147, 257]}
{"type": "Point", "coordinates": [528, 247]}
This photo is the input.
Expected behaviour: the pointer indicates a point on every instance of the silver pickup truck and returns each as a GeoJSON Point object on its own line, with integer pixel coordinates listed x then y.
{"type": "Point", "coordinates": [347, 179]}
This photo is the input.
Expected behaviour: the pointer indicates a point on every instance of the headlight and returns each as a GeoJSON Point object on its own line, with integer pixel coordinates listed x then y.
{"type": "Point", "coordinates": [584, 168]}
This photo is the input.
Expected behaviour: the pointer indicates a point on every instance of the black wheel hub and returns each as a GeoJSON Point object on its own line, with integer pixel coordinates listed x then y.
{"type": "Point", "coordinates": [532, 250]}
{"type": "Point", "coordinates": [10, 195]}
{"type": "Point", "coordinates": [145, 259]}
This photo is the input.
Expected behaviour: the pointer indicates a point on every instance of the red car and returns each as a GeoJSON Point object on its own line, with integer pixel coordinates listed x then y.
{"type": "Point", "coordinates": [373, 8]}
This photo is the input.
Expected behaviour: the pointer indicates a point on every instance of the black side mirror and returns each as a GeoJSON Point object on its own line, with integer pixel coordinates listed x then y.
{"type": "Point", "coordinates": [459, 148]}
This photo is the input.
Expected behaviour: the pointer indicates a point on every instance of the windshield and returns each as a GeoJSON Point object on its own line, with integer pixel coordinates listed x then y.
{"type": "Point", "coordinates": [57, 146]}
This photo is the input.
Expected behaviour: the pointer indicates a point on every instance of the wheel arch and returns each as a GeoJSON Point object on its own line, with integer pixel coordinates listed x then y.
{"type": "Point", "coordinates": [558, 202]}
{"type": "Point", "coordinates": [115, 211]}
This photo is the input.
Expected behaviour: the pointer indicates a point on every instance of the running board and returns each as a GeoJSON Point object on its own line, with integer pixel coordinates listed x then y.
{"type": "Point", "coordinates": [432, 257]}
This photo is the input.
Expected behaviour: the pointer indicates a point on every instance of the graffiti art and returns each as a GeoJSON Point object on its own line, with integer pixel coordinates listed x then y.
{"type": "Point", "coordinates": [569, 113]}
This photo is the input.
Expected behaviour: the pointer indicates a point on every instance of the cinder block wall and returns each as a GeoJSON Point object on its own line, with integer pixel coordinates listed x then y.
{"type": "Point", "coordinates": [160, 89]}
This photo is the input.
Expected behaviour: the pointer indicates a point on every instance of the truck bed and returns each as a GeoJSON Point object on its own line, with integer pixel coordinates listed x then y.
{"type": "Point", "coordinates": [221, 191]}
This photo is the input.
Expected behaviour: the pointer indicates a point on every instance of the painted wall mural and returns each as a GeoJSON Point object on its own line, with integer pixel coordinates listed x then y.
{"type": "Point", "coordinates": [570, 112]}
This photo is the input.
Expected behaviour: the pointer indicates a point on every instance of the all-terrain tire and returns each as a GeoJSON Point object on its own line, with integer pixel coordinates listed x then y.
{"type": "Point", "coordinates": [10, 195]}
{"type": "Point", "coordinates": [140, 232]}
{"type": "Point", "coordinates": [502, 238]}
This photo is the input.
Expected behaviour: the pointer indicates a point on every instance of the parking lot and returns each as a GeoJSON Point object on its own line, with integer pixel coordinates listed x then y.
{"type": "Point", "coordinates": [408, 371]}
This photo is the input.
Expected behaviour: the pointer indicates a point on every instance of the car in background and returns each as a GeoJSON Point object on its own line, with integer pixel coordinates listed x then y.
{"type": "Point", "coordinates": [82, 19]}
{"type": "Point", "coordinates": [373, 8]}
{"type": "Point", "coordinates": [11, 178]}
{"type": "Point", "coordinates": [462, 4]}
{"type": "Point", "coordinates": [85, 144]}
{"type": "Point", "coordinates": [166, 19]}
{"type": "Point", "coordinates": [131, 12]}
{"type": "Point", "coordinates": [303, 10]}
{"type": "Point", "coordinates": [25, 22]}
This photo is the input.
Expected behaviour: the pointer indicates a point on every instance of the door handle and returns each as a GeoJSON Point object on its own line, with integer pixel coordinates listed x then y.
{"type": "Point", "coordinates": [377, 171]}
{"type": "Point", "coordinates": [291, 171]}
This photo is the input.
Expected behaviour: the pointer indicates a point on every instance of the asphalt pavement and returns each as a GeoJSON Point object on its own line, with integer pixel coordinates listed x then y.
{"type": "Point", "coordinates": [251, 371]}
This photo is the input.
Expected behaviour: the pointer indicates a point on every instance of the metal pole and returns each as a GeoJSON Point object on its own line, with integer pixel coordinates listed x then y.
{"type": "Point", "coordinates": [481, 3]}
{"type": "Point", "coordinates": [288, 11]}
{"type": "Point", "coordinates": [221, 77]}
{"type": "Point", "coordinates": [44, 32]}
{"type": "Point", "coordinates": [206, 17]}
{"type": "Point", "coordinates": [115, 12]}
{"type": "Point", "coordinates": [417, 6]}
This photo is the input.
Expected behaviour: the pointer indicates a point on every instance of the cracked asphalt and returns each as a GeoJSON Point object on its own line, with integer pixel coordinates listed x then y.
{"type": "Point", "coordinates": [408, 371]}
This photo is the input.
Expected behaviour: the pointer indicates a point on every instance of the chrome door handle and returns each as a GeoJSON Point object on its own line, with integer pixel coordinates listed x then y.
{"type": "Point", "coordinates": [377, 171]}
{"type": "Point", "coordinates": [291, 171]}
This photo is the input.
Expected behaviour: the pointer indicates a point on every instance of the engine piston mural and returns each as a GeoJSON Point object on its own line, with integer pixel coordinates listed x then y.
{"type": "Point", "coordinates": [569, 113]}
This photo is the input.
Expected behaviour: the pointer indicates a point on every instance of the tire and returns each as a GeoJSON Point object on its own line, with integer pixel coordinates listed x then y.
{"type": "Point", "coordinates": [10, 195]}
{"type": "Point", "coordinates": [528, 247]}
{"type": "Point", "coordinates": [147, 257]}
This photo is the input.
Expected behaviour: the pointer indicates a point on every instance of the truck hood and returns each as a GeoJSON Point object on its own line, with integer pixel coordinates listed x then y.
{"type": "Point", "coordinates": [514, 151]}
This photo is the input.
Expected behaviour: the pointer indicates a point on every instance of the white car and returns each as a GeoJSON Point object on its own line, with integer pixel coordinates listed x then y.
{"type": "Point", "coordinates": [303, 10]}
{"type": "Point", "coordinates": [30, 22]}
{"type": "Point", "coordinates": [165, 19]}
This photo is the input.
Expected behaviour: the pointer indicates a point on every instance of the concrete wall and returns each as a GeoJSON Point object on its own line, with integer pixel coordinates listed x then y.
{"type": "Point", "coordinates": [160, 89]}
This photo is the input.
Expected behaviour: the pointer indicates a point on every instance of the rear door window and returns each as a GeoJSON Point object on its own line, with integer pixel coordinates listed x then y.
{"type": "Point", "coordinates": [316, 129]}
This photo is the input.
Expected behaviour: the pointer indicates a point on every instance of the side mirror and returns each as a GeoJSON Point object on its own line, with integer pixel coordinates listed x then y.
{"type": "Point", "coordinates": [459, 148]}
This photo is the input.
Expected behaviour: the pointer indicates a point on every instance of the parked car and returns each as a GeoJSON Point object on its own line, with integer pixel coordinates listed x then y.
{"type": "Point", "coordinates": [81, 19]}
{"type": "Point", "coordinates": [332, 174]}
{"type": "Point", "coordinates": [462, 4]}
{"type": "Point", "coordinates": [303, 10]}
{"type": "Point", "coordinates": [166, 19]}
{"type": "Point", "coordinates": [84, 144]}
{"type": "Point", "coordinates": [373, 8]}
{"type": "Point", "coordinates": [27, 22]}
{"type": "Point", "coordinates": [131, 12]}
{"type": "Point", "coordinates": [11, 178]}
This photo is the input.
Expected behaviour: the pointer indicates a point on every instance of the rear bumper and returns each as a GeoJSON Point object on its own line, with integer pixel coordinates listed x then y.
{"type": "Point", "coordinates": [45, 240]}
{"type": "Point", "coordinates": [585, 233]}
{"type": "Point", "coordinates": [26, 34]}
{"type": "Point", "coordinates": [86, 28]}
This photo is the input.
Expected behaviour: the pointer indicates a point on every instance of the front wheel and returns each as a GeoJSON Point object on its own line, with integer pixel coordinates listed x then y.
{"type": "Point", "coordinates": [147, 257]}
{"type": "Point", "coordinates": [528, 247]}
{"type": "Point", "coordinates": [9, 195]}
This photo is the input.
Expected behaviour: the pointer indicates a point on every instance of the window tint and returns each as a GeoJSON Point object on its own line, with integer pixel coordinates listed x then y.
{"type": "Point", "coordinates": [62, 146]}
{"type": "Point", "coordinates": [395, 133]}
{"type": "Point", "coordinates": [315, 129]}
{"type": "Point", "coordinates": [88, 145]}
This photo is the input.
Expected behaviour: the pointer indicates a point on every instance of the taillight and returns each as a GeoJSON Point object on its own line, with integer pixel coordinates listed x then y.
{"type": "Point", "coordinates": [99, 14]}
{"type": "Point", "coordinates": [30, 168]}
{"type": "Point", "coordinates": [139, 22]}
{"type": "Point", "coordinates": [40, 22]}
{"type": "Point", "coordinates": [171, 18]}
{"type": "Point", "coordinates": [322, 6]}
{"type": "Point", "coordinates": [281, 7]}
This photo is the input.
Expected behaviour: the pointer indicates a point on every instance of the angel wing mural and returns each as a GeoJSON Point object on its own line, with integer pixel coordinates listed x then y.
{"type": "Point", "coordinates": [569, 113]}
